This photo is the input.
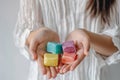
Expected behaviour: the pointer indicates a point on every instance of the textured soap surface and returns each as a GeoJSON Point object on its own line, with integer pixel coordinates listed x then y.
{"type": "Point", "coordinates": [69, 47]}
{"type": "Point", "coordinates": [50, 59]}
{"type": "Point", "coordinates": [54, 48]}
{"type": "Point", "coordinates": [67, 58]}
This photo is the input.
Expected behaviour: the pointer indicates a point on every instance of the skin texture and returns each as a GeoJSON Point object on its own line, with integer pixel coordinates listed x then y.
{"type": "Point", "coordinates": [36, 42]}
{"type": "Point", "coordinates": [83, 40]}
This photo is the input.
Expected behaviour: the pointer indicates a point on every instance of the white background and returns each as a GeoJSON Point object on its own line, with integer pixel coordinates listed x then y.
{"type": "Point", "coordinates": [14, 66]}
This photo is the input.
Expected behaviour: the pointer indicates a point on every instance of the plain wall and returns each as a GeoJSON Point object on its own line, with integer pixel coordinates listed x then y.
{"type": "Point", "coordinates": [14, 66]}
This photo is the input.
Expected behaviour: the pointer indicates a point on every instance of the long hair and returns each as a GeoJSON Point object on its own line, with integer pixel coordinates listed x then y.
{"type": "Point", "coordinates": [100, 7]}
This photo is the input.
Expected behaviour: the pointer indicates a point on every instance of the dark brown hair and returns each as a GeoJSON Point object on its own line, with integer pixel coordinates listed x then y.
{"type": "Point", "coordinates": [100, 7]}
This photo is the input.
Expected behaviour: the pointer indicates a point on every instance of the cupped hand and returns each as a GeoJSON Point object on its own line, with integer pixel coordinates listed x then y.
{"type": "Point", "coordinates": [82, 42]}
{"type": "Point", "coordinates": [37, 42]}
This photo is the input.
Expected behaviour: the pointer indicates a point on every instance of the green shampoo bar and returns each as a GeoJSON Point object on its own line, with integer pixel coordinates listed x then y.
{"type": "Point", "coordinates": [54, 48]}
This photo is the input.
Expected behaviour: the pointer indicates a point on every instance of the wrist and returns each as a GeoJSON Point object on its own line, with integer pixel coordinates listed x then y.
{"type": "Point", "coordinates": [90, 36]}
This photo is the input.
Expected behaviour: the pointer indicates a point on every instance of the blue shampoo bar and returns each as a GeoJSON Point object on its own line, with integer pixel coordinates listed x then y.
{"type": "Point", "coordinates": [54, 48]}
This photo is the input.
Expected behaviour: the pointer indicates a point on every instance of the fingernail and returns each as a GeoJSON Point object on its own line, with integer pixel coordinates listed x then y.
{"type": "Point", "coordinates": [64, 70]}
{"type": "Point", "coordinates": [60, 71]}
{"type": "Point", "coordinates": [86, 53]}
{"type": "Point", "coordinates": [33, 58]}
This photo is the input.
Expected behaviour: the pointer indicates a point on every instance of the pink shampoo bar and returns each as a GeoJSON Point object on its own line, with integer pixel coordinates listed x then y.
{"type": "Point", "coordinates": [69, 47]}
{"type": "Point", "coordinates": [68, 58]}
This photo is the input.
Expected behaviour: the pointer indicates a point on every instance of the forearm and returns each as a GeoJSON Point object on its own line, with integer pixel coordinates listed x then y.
{"type": "Point", "coordinates": [102, 44]}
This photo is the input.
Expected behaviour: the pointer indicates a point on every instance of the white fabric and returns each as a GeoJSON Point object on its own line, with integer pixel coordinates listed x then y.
{"type": "Point", "coordinates": [64, 16]}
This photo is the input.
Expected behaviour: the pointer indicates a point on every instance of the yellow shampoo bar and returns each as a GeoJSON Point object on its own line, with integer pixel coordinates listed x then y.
{"type": "Point", "coordinates": [50, 59]}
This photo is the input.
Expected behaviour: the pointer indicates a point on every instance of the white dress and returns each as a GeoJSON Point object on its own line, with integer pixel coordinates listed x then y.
{"type": "Point", "coordinates": [63, 16]}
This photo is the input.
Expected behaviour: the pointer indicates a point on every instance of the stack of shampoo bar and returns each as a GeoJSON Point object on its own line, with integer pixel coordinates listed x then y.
{"type": "Point", "coordinates": [51, 58]}
{"type": "Point", "coordinates": [69, 52]}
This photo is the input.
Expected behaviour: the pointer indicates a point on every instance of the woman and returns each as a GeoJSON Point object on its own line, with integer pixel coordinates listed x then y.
{"type": "Point", "coordinates": [93, 25]}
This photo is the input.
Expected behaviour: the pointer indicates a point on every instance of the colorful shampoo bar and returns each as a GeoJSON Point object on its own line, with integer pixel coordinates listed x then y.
{"type": "Point", "coordinates": [69, 47]}
{"type": "Point", "coordinates": [54, 48]}
{"type": "Point", "coordinates": [68, 58]}
{"type": "Point", "coordinates": [69, 52]}
{"type": "Point", "coordinates": [50, 59]}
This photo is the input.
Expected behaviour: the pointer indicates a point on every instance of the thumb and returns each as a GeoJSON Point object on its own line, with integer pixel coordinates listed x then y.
{"type": "Point", "coordinates": [86, 46]}
{"type": "Point", "coordinates": [33, 48]}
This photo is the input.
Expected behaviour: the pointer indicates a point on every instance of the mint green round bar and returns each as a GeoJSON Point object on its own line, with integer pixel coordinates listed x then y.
{"type": "Point", "coordinates": [54, 48]}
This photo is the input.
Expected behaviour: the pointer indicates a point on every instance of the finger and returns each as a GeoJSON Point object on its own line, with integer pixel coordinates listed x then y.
{"type": "Point", "coordinates": [80, 57]}
{"type": "Point", "coordinates": [60, 61]}
{"type": "Point", "coordinates": [41, 50]}
{"type": "Point", "coordinates": [33, 48]}
{"type": "Point", "coordinates": [61, 70]}
{"type": "Point", "coordinates": [48, 72]}
{"type": "Point", "coordinates": [57, 69]}
{"type": "Point", "coordinates": [66, 69]}
{"type": "Point", "coordinates": [53, 72]}
{"type": "Point", "coordinates": [41, 65]}
{"type": "Point", "coordinates": [86, 46]}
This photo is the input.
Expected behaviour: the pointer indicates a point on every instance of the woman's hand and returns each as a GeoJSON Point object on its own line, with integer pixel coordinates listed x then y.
{"type": "Point", "coordinates": [82, 42]}
{"type": "Point", "coordinates": [37, 42]}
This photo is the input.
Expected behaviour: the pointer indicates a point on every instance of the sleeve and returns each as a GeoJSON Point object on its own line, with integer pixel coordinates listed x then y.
{"type": "Point", "coordinates": [113, 31]}
{"type": "Point", "coordinates": [29, 19]}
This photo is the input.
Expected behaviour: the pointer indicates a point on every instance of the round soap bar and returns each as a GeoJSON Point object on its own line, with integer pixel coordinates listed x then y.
{"type": "Point", "coordinates": [54, 48]}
